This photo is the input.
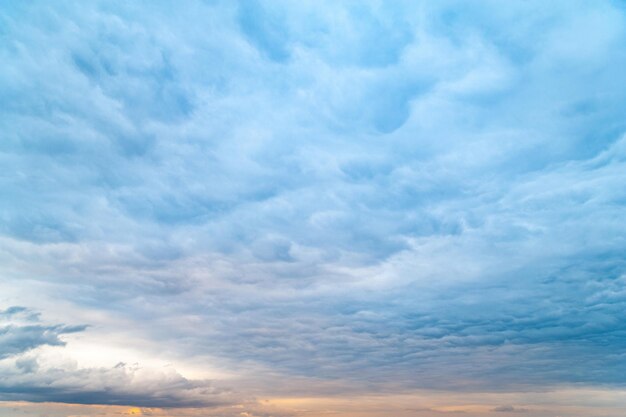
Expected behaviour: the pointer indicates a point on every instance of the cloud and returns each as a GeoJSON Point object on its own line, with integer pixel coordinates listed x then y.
{"type": "Point", "coordinates": [359, 196]}
{"type": "Point", "coordinates": [34, 377]}
{"type": "Point", "coordinates": [509, 409]}
{"type": "Point", "coordinates": [121, 385]}
{"type": "Point", "coordinates": [20, 332]}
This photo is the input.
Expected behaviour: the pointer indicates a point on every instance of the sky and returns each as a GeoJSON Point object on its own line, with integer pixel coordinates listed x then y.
{"type": "Point", "coordinates": [313, 208]}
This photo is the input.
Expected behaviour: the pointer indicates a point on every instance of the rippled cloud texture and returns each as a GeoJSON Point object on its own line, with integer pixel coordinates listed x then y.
{"type": "Point", "coordinates": [281, 208]}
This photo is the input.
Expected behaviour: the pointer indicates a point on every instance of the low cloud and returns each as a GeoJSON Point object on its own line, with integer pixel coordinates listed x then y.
{"type": "Point", "coordinates": [27, 375]}
{"type": "Point", "coordinates": [120, 385]}
{"type": "Point", "coordinates": [509, 409]}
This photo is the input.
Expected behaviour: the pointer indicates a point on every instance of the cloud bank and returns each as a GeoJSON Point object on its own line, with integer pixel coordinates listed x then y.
{"type": "Point", "coordinates": [30, 375]}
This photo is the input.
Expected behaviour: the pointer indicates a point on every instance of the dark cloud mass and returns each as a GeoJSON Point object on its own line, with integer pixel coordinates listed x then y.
{"type": "Point", "coordinates": [361, 196]}
{"type": "Point", "coordinates": [113, 386]}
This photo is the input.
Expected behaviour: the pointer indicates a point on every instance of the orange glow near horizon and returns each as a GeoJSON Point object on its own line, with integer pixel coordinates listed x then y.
{"type": "Point", "coordinates": [563, 403]}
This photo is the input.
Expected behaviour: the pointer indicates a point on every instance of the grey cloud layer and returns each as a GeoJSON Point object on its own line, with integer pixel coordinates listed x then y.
{"type": "Point", "coordinates": [411, 195]}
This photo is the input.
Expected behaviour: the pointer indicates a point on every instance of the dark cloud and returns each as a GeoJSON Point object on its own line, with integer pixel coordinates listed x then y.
{"type": "Point", "coordinates": [114, 386]}
{"type": "Point", "coordinates": [509, 409]}
{"type": "Point", "coordinates": [18, 337]}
